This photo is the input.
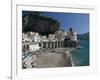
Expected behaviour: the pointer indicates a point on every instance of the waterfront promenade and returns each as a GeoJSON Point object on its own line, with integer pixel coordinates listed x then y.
{"type": "Point", "coordinates": [59, 57]}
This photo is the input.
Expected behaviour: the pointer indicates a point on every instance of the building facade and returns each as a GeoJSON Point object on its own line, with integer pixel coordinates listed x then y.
{"type": "Point", "coordinates": [57, 40]}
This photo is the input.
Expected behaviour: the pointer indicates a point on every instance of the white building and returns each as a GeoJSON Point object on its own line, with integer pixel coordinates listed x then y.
{"type": "Point", "coordinates": [33, 39]}
{"type": "Point", "coordinates": [36, 37]}
{"type": "Point", "coordinates": [59, 35]}
{"type": "Point", "coordinates": [26, 38]}
{"type": "Point", "coordinates": [51, 37]}
{"type": "Point", "coordinates": [74, 37]}
{"type": "Point", "coordinates": [37, 41]}
{"type": "Point", "coordinates": [34, 46]}
{"type": "Point", "coordinates": [71, 35]}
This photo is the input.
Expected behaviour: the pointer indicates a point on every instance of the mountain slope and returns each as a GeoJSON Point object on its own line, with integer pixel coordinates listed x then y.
{"type": "Point", "coordinates": [84, 36]}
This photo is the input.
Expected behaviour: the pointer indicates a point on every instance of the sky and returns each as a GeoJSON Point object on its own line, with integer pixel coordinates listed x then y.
{"type": "Point", "coordinates": [78, 21]}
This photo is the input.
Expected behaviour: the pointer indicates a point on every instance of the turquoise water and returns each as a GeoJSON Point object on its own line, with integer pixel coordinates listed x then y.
{"type": "Point", "coordinates": [81, 56]}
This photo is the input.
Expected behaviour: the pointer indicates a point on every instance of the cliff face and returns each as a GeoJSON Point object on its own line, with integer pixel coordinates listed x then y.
{"type": "Point", "coordinates": [33, 21]}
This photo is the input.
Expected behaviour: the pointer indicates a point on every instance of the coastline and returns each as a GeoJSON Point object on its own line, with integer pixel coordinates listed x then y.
{"type": "Point", "coordinates": [70, 55]}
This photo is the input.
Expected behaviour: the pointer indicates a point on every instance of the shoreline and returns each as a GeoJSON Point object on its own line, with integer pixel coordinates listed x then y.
{"type": "Point", "coordinates": [70, 55]}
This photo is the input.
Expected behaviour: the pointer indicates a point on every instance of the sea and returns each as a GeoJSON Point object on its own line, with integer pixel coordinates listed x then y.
{"type": "Point", "coordinates": [80, 56]}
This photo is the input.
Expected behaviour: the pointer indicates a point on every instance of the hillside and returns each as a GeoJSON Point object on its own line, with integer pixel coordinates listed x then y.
{"type": "Point", "coordinates": [36, 22]}
{"type": "Point", "coordinates": [84, 36]}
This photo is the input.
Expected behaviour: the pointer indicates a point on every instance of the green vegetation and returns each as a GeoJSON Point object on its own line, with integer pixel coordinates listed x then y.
{"type": "Point", "coordinates": [35, 21]}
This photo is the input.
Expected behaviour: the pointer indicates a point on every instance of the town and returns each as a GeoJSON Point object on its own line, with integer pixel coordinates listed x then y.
{"type": "Point", "coordinates": [34, 44]}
